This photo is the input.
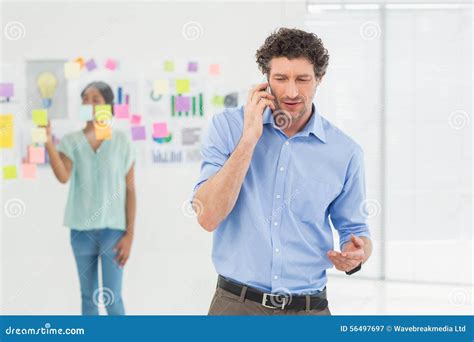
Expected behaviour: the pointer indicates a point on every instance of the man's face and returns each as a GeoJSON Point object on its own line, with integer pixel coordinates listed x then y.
{"type": "Point", "coordinates": [293, 83]}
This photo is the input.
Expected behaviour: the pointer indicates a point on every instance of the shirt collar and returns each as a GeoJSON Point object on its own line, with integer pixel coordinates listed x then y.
{"type": "Point", "coordinates": [313, 126]}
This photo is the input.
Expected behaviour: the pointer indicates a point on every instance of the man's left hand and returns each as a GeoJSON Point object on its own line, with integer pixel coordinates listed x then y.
{"type": "Point", "coordinates": [351, 256]}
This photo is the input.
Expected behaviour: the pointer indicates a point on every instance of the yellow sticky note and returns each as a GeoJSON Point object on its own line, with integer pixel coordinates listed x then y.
{"type": "Point", "coordinates": [103, 112]}
{"type": "Point", "coordinates": [161, 87]}
{"type": "Point", "coordinates": [28, 171]}
{"type": "Point", "coordinates": [218, 101]}
{"type": "Point", "coordinates": [9, 172]}
{"type": "Point", "coordinates": [169, 66]}
{"type": "Point", "coordinates": [102, 132]}
{"type": "Point", "coordinates": [38, 135]}
{"type": "Point", "coordinates": [40, 117]}
{"type": "Point", "coordinates": [183, 86]}
{"type": "Point", "coordinates": [6, 130]}
{"type": "Point", "coordinates": [72, 70]}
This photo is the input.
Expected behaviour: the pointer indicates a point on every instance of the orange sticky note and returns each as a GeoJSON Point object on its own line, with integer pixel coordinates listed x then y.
{"type": "Point", "coordinates": [36, 154]}
{"type": "Point", "coordinates": [102, 132]}
{"type": "Point", "coordinates": [28, 171]}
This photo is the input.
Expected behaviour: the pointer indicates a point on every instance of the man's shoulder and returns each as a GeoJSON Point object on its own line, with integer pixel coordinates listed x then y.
{"type": "Point", "coordinates": [336, 136]}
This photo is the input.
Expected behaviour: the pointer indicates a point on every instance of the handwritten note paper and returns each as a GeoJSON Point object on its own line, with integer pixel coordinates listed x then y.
{"type": "Point", "coordinates": [28, 171]}
{"type": "Point", "coordinates": [183, 86]}
{"type": "Point", "coordinates": [36, 154]}
{"type": "Point", "coordinates": [160, 130]}
{"type": "Point", "coordinates": [9, 172]}
{"type": "Point", "coordinates": [138, 133]}
{"type": "Point", "coordinates": [121, 111]}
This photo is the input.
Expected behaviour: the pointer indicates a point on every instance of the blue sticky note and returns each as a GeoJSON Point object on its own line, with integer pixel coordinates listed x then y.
{"type": "Point", "coordinates": [86, 112]}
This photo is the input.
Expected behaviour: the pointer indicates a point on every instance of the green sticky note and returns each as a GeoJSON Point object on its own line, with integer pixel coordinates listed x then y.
{"type": "Point", "coordinates": [218, 100]}
{"type": "Point", "coordinates": [103, 112]}
{"type": "Point", "coordinates": [40, 117]}
{"type": "Point", "coordinates": [183, 86]}
{"type": "Point", "coordinates": [169, 66]}
{"type": "Point", "coordinates": [9, 172]}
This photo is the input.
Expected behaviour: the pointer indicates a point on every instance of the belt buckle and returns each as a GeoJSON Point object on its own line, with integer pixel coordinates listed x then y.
{"type": "Point", "coordinates": [264, 301]}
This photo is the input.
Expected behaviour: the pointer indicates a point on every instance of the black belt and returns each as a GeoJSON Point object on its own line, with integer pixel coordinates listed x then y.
{"type": "Point", "coordinates": [283, 301]}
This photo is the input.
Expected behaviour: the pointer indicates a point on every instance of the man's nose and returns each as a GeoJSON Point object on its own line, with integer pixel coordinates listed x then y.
{"type": "Point", "coordinates": [292, 90]}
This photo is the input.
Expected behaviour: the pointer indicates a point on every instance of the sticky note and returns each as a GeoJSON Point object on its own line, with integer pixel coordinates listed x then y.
{"type": "Point", "coordinates": [72, 70]}
{"type": "Point", "coordinates": [40, 117]}
{"type": "Point", "coordinates": [86, 112]}
{"type": "Point", "coordinates": [192, 67]}
{"type": "Point", "coordinates": [183, 86]}
{"type": "Point", "coordinates": [80, 61]}
{"type": "Point", "coordinates": [121, 111]}
{"type": "Point", "coordinates": [36, 154]}
{"type": "Point", "coordinates": [160, 130]}
{"type": "Point", "coordinates": [161, 87]}
{"type": "Point", "coordinates": [214, 69]}
{"type": "Point", "coordinates": [168, 66]}
{"type": "Point", "coordinates": [103, 112]}
{"type": "Point", "coordinates": [6, 130]}
{"type": "Point", "coordinates": [91, 65]}
{"type": "Point", "coordinates": [6, 89]}
{"type": "Point", "coordinates": [103, 132]}
{"type": "Point", "coordinates": [183, 103]}
{"type": "Point", "coordinates": [218, 100]}
{"type": "Point", "coordinates": [138, 133]}
{"type": "Point", "coordinates": [9, 172]}
{"type": "Point", "coordinates": [38, 135]}
{"type": "Point", "coordinates": [111, 64]}
{"type": "Point", "coordinates": [28, 171]}
{"type": "Point", "coordinates": [136, 119]}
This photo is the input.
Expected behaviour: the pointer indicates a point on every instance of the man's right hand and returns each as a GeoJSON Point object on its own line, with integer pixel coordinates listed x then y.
{"type": "Point", "coordinates": [258, 100]}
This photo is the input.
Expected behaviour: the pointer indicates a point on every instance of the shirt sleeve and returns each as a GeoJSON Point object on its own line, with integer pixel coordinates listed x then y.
{"type": "Point", "coordinates": [66, 146]}
{"type": "Point", "coordinates": [215, 149]}
{"type": "Point", "coordinates": [347, 211]}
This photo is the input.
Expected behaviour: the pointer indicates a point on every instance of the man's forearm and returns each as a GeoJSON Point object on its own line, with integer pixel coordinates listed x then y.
{"type": "Point", "coordinates": [215, 199]}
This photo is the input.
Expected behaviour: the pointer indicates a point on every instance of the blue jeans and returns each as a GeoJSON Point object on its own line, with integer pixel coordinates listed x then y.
{"type": "Point", "coordinates": [88, 246]}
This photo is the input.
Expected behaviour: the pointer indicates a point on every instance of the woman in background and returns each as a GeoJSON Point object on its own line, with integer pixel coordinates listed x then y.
{"type": "Point", "coordinates": [100, 208]}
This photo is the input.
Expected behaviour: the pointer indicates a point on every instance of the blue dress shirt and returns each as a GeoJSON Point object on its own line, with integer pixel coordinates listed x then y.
{"type": "Point", "coordinates": [278, 233]}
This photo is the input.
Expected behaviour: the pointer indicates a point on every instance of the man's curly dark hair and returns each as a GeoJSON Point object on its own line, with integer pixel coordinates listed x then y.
{"type": "Point", "coordinates": [293, 43]}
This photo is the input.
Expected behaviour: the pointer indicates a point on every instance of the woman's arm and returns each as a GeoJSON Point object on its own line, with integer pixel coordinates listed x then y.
{"type": "Point", "coordinates": [60, 164]}
{"type": "Point", "coordinates": [124, 246]}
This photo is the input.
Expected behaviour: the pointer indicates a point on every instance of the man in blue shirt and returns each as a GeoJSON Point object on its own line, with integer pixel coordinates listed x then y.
{"type": "Point", "coordinates": [275, 175]}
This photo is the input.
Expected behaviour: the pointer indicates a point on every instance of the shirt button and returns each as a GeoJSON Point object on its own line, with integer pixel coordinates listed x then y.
{"type": "Point", "coordinates": [275, 223]}
{"type": "Point", "coordinates": [287, 142]}
{"type": "Point", "coordinates": [275, 277]}
{"type": "Point", "coordinates": [277, 250]}
{"type": "Point", "coordinates": [282, 168]}
{"type": "Point", "coordinates": [278, 196]}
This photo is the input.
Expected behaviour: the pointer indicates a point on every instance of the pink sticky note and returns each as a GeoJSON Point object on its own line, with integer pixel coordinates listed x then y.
{"type": "Point", "coordinates": [214, 69]}
{"type": "Point", "coordinates": [183, 103]}
{"type": "Point", "coordinates": [36, 154]}
{"type": "Point", "coordinates": [28, 171]}
{"type": "Point", "coordinates": [136, 119]}
{"type": "Point", "coordinates": [160, 130]}
{"type": "Point", "coordinates": [138, 133]}
{"type": "Point", "coordinates": [111, 64]}
{"type": "Point", "coordinates": [121, 111]}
